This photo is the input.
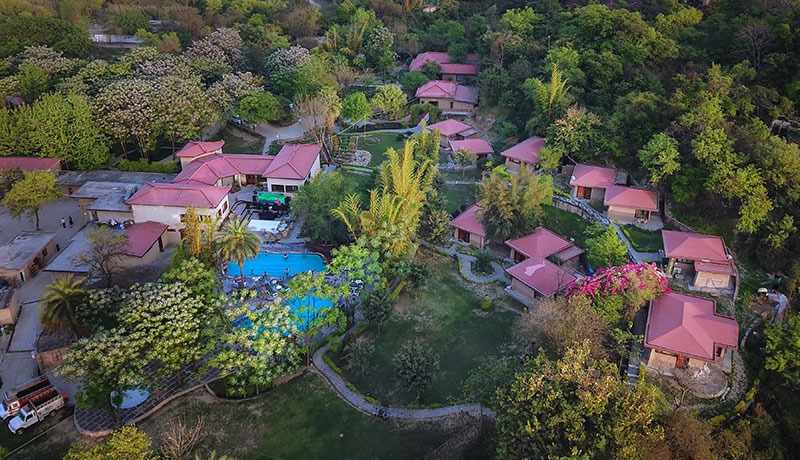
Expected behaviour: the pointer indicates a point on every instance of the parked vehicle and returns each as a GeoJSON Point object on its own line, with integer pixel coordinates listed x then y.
{"type": "Point", "coordinates": [36, 411]}
{"type": "Point", "coordinates": [13, 400]}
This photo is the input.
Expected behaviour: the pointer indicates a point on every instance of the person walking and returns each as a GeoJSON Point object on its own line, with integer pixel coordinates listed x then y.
{"type": "Point", "coordinates": [71, 222]}
{"type": "Point", "coordinates": [63, 223]}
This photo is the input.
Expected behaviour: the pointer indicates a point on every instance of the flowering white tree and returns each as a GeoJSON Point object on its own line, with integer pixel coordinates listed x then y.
{"type": "Point", "coordinates": [131, 108]}
{"type": "Point", "coordinates": [223, 45]}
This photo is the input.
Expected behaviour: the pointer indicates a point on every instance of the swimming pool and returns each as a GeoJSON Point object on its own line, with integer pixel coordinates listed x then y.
{"type": "Point", "coordinates": [276, 264]}
{"type": "Point", "coordinates": [297, 308]}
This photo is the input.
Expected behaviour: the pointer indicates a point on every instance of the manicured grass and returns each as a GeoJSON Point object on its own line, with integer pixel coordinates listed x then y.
{"type": "Point", "coordinates": [566, 224]}
{"type": "Point", "coordinates": [644, 240]}
{"type": "Point", "coordinates": [237, 141]}
{"type": "Point", "coordinates": [456, 196]}
{"type": "Point", "coordinates": [377, 149]}
{"type": "Point", "coordinates": [444, 315]}
{"type": "Point", "coordinates": [472, 174]}
{"type": "Point", "coordinates": [301, 419]}
{"type": "Point", "coordinates": [363, 182]}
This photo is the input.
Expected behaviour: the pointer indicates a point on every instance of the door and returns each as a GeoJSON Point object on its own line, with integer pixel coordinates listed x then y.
{"type": "Point", "coordinates": [681, 362]}
{"type": "Point", "coordinates": [463, 235]}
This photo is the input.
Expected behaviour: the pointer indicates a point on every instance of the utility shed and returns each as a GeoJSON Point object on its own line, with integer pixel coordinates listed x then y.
{"type": "Point", "coordinates": [25, 255]}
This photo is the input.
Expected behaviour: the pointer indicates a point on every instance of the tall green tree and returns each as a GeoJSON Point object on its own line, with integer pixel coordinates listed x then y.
{"type": "Point", "coordinates": [550, 99]}
{"type": "Point", "coordinates": [513, 207]}
{"type": "Point", "coordinates": [606, 249]}
{"type": "Point", "coordinates": [783, 351]}
{"type": "Point", "coordinates": [259, 106]}
{"type": "Point", "coordinates": [236, 243]}
{"type": "Point", "coordinates": [660, 157]}
{"type": "Point", "coordinates": [575, 407]}
{"type": "Point", "coordinates": [126, 443]}
{"type": "Point", "coordinates": [316, 306]}
{"type": "Point", "coordinates": [356, 108]}
{"type": "Point", "coordinates": [59, 303]}
{"type": "Point", "coordinates": [416, 366]}
{"type": "Point", "coordinates": [390, 99]}
{"type": "Point", "coordinates": [315, 199]}
{"type": "Point", "coordinates": [27, 196]}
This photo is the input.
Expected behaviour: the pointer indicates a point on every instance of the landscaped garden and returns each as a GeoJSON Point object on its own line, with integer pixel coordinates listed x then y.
{"type": "Point", "coordinates": [644, 240]}
{"type": "Point", "coordinates": [376, 144]}
{"type": "Point", "coordinates": [444, 315]}
{"type": "Point", "coordinates": [456, 196]}
{"type": "Point", "coordinates": [238, 141]}
{"type": "Point", "coordinates": [566, 224]}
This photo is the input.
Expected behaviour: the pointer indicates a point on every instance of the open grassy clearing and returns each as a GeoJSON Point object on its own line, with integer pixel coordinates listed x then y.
{"type": "Point", "coordinates": [238, 141]}
{"type": "Point", "coordinates": [376, 144]}
{"type": "Point", "coordinates": [471, 174]}
{"type": "Point", "coordinates": [644, 240]}
{"type": "Point", "coordinates": [444, 315]}
{"type": "Point", "coordinates": [566, 224]}
{"type": "Point", "coordinates": [456, 196]}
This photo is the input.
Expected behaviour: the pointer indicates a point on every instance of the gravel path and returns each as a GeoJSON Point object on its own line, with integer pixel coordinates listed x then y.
{"type": "Point", "coordinates": [358, 401]}
{"type": "Point", "coordinates": [465, 264]}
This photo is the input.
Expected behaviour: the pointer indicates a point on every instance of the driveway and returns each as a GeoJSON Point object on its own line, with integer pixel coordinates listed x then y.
{"type": "Point", "coordinates": [274, 133]}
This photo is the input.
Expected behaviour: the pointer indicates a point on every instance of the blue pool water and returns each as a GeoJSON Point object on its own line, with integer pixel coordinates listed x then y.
{"type": "Point", "coordinates": [295, 305]}
{"type": "Point", "coordinates": [276, 264]}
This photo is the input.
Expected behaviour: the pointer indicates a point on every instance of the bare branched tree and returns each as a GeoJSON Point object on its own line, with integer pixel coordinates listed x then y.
{"type": "Point", "coordinates": [181, 437]}
{"type": "Point", "coordinates": [754, 40]}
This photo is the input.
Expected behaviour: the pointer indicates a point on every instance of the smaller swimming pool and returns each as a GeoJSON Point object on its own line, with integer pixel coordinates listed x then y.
{"type": "Point", "coordinates": [276, 264]}
{"type": "Point", "coordinates": [297, 308]}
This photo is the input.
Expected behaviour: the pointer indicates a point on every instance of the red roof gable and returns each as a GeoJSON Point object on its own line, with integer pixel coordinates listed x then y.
{"type": "Point", "coordinates": [208, 170]}
{"type": "Point", "coordinates": [440, 89]}
{"type": "Point", "coordinates": [196, 148]}
{"type": "Point", "coordinates": [470, 221]}
{"type": "Point", "coordinates": [450, 127]}
{"type": "Point", "coordinates": [179, 195]}
{"type": "Point", "coordinates": [294, 161]}
{"type": "Point", "coordinates": [694, 246]}
{"type": "Point", "coordinates": [142, 236]}
{"type": "Point", "coordinates": [477, 146]}
{"type": "Point", "coordinates": [592, 176]}
{"type": "Point", "coordinates": [542, 275]}
{"type": "Point", "coordinates": [629, 197]}
{"type": "Point", "coordinates": [540, 244]}
{"type": "Point", "coordinates": [689, 326]}
{"type": "Point", "coordinates": [526, 151]}
{"type": "Point", "coordinates": [459, 69]}
{"type": "Point", "coordinates": [30, 163]}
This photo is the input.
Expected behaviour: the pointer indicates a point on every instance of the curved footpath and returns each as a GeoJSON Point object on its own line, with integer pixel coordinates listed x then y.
{"type": "Point", "coordinates": [356, 400]}
{"type": "Point", "coordinates": [465, 264]}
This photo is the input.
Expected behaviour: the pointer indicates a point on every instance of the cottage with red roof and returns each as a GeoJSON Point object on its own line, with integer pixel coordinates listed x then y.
{"type": "Point", "coordinates": [703, 260]}
{"type": "Point", "coordinates": [194, 150]}
{"type": "Point", "coordinates": [525, 153]}
{"type": "Point", "coordinates": [590, 182]}
{"type": "Point", "coordinates": [167, 203]}
{"type": "Point", "coordinates": [469, 228]}
{"type": "Point", "coordinates": [453, 130]}
{"type": "Point", "coordinates": [479, 146]}
{"type": "Point", "coordinates": [630, 204]}
{"type": "Point", "coordinates": [450, 97]}
{"type": "Point", "coordinates": [547, 264]}
{"type": "Point", "coordinates": [451, 71]}
{"type": "Point", "coordinates": [685, 331]}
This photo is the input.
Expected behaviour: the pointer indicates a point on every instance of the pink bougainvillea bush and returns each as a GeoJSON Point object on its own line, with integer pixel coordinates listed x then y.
{"type": "Point", "coordinates": [619, 292]}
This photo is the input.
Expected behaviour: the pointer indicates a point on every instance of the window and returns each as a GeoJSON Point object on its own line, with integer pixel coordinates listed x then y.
{"type": "Point", "coordinates": [278, 188]}
{"type": "Point", "coordinates": [183, 217]}
{"type": "Point", "coordinates": [451, 104]}
{"type": "Point", "coordinates": [44, 252]}
{"type": "Point", "coordinates": [641, 214]}
{"type": "Point", "coordinates": [516, 162]}
{"type": "Point", "coordinates": [225, 205]}
{"type": "Point", "coordinates": [56, 356]}
{"type": "Point", "coordinates": [291, 188]}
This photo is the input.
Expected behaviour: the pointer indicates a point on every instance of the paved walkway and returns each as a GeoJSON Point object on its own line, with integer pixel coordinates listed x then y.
{"type": "Point", "coordinates": [274, 133]}
{"type": "Point", "coordinates": [358, 401]}
{"type": "Point", "coordinates": [637, 256]}
{"type": "Point", "coordinates": [465, 264]}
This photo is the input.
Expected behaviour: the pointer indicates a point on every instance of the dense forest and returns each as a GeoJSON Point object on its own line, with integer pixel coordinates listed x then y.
{"type": "Point", "coordinates": [698, 99]}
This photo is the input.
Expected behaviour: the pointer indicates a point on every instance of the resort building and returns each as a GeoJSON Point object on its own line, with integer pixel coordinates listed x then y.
{"type": "Point", "coordinates": [451, 71]}
{"type": "Point", "coordinates": [479, 146]}
{"type": "Point", "coordinates": [9, 305]}
{"type": "Point", "coordinates": [468, 227]}
{"type": "Point", "coordinates": [450, 97]}
{"type": "Point", "coordinates": [546, 265]}
{"type": "Point", "coordinates": [146, 240]}
{"type": "Point", "coordinates": [194, 150]}
{"type": "Point", "coordinates": [103, 201]}
{"type": "Point", "coordinates": [167, 204]}
{"type": "Point", "coordinates": [25, 256]}
{"type": "Point", "coordinates": [525, 153]}
{"type": "Point", "coordinates": [630, 204]}
{"type": "Point", "coordinates": [685, 331]}
{"type": "Point", "coordinates": [453, 130]}
{"type": "Point", "coordinates": [590, 182]}
{"type": "Point", "coordinates": [703, 260]}
{"type": "Point", "coordinates": [284, 172]}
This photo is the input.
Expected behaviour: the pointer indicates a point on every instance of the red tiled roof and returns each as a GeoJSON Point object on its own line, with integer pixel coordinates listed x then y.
{"type": "Point", "coordinates": [526, 151]}
{"type": "Point", "coordinates": [725, 268]}
{"type": "Point", "coordinates": [294, 161]}
{"type": "Point", "coordinates": [30, 163]}
{"type": "Point", "coordinates": [196, 148]}
{"type": "Point", "coordinates": [542, 275]}
{"type": "Point", "coordinates": [142, 236]}
{"type": "Point", "coordinates": [459, 69]}
{"type": "Point", "coordinates": [477, 146]}
{"type": "Point", "coordinates": [441, 58]}
{"type": "Point", "coordinates": [592, 176]}
{"type": "Point", "coordinates": [689, 326]}
{"type": "Point", "coordinates": [539, 244]}
{"type": "Point", "coordinates": [450, 127]}
{"type": "Point", "coordinates": [629, 197]}
{"type": "Point", "coordinates": [208, 170]}
{"type": "Point", "coordinates": [694, 246]}
{"type": "Point", "coordinates": [179, 195]}
{"type": "Point", "coordinates": [470, 221]}
{"type": "Point", "coordinates": [440, 89]}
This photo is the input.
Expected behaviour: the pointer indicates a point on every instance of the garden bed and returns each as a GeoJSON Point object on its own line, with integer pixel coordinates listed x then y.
{"type": "Point", "coordinates": [376, 144]}
{"type": "Point", "coordinates": [643, 240]}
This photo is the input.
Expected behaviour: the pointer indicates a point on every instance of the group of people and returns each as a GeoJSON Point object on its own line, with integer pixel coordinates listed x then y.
{"type": "Point", "coordinates": [64, 222]}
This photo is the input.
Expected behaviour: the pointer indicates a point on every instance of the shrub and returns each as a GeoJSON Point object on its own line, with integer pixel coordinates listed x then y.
{"type": "Point", "coordinates": [486, 304]}
{"type": "Point", "coordinates": [483, 263]}
{"type": "Point", "coordinates": [330, 363]}
{"type": "Point", "coordinates": [142, 165]}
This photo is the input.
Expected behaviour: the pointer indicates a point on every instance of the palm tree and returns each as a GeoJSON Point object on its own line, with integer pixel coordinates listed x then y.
{"type": "Point", "coordinates": [237, 244]}
{"type": "Point", "coordinates": [60, 302]}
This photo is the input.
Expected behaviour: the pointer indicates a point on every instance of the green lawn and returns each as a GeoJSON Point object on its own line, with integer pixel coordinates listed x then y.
{"type": "Point", "coordinates": [644, 240]}
{"type": "Point", "coordinates": [457, 195]}
{"type": "Point", "coordinates": [472, 174]}
{"type": "Point", "coordinates": [364, 182]}
{"type": "Point", "coordinates": [566, 224]}
{"type": "Point", "coordinates": [377, 149]}
{"type": "Point", "coordinates": [237, 141]}
{"type": "Point", "coordinates": [301, 419]}
{"type": "Point", "coordinates": [445, 315]}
